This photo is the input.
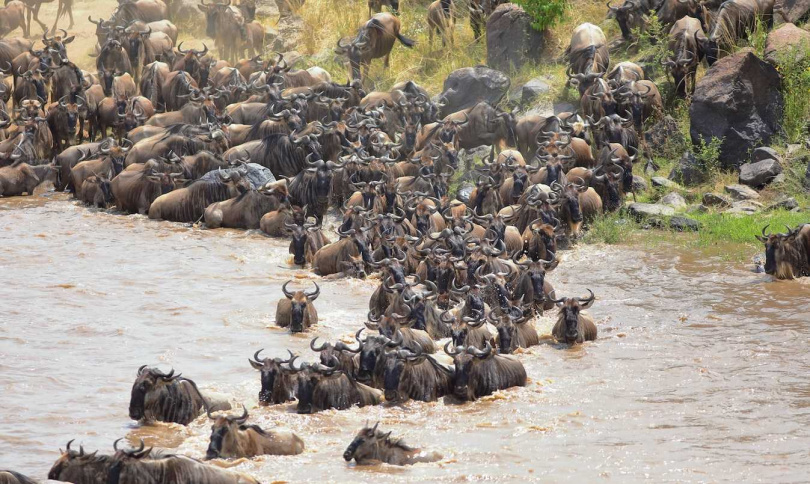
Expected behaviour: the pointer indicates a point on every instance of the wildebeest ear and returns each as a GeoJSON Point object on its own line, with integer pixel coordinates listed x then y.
{"type": "Point", "coordinates": [69, 39]}
{"type": "Point", "coordinates": [255, 364]}
{"type": "Point", "coordinates": [761, 238]}
{"type": "Point", "coordinates": [588, 304]}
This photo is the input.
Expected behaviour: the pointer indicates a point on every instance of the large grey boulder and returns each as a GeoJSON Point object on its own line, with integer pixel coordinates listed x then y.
{"type": "Point", "coordinates": [741, 192]}
{"type": "Point", "coordinates": [761, 173]}
{"type": "Point", "coordinates": [290, 32]}
{"type": "Point", "coordinates": [687, 171]}
{"type": "Point", "coordinates": [716, 200]}
{"type": "Point", "coordinates": [511, 40]}
{"type": "Point", "coordinates": [532, 90]}
{"type": "Point", "coordinates": [739, 101]}
{"type": "Point", "coordinates": [256, 174]}
{"type": "Point", "coordinates": [466, 87]}
{"type": "Point", "coordinates": [790, 10]}
{"type": "Point", "coordinates": [645, 210]}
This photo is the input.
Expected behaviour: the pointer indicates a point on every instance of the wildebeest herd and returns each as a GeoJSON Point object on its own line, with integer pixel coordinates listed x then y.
{"type": "Point", "coordinates": [251, 143]}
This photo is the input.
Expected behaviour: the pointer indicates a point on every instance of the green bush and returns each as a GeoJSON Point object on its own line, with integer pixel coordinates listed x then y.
{"type": "Point", "coordinates": [544, 13]}
{"type": "Point", "coordinates": [795, 71]}
{"type": "Point", "coordinates": [708, 155]}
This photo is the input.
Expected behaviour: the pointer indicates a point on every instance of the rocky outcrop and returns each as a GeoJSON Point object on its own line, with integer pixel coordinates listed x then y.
{"type": "Point", "coordinates": [790, 10]}
{"type": "Point", "coordinates": [759, 174]}
{"type": "Point", "coordinates": [739, 101]}
{"type": "Point", "coordinates": [785, 39]}
{"type": "Point", "coordinates": [511, 40]}
{"type": "Point", "coordinates": [466, 87]}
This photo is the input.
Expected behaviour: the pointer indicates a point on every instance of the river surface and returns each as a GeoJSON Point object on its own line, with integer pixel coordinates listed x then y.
{"type": "Point", "coordinates": [700, 372]}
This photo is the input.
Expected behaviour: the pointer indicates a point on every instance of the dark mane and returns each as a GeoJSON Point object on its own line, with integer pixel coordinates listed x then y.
{"type": "Point", "coordinates": [398, 443]}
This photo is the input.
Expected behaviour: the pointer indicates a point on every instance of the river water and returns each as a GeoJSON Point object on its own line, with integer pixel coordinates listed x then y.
{"type": "Point", "coordinates": [699, 373]}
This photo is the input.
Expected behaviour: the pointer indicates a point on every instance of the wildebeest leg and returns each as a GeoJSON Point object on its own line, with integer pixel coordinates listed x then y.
{"type": "Point", "coordinates": [387, 62]}
{"type": "Point", "coordinates": [36, 17]}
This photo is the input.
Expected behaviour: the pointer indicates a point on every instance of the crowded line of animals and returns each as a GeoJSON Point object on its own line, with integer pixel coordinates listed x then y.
{"type": "Point", "coordinates": [251, 143]}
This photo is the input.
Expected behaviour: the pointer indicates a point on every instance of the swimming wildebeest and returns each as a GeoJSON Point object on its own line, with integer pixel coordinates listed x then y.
{"type": "Point", "coordinates": [573, 325]}
{"type": "Point", "coordinates": [278, 382]}
{"type": "Point", "coordinates": [232, 438]}
{"type": "Point", "coordinates": [296, 310]}
{"type": "Point", "coordinates": [787, 255]}
{"type": "Point", "coordinates": [372, 446]}
{"type": "Point", "coordinates": [167, 398]}
{"type": "Point", "coordinates": [482, 372]}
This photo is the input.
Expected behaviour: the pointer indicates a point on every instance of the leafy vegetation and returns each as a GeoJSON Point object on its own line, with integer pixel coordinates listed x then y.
{"type": "Point", "coordinates": [544, 13]}
{"type": "Point", "coordinates": [794, 66]}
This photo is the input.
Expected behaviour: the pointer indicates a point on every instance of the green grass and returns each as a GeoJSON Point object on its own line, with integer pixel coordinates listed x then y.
{"type": "Point", "coordinates": [720, 228]}
{"type": "Point", "coordinates": [611, 229]}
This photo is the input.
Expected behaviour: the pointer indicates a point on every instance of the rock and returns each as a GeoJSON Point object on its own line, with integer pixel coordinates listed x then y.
{"type": "Point", "coordinates": [786, 40]}
{"type": "Point", "coordinates": [744, 207]}
{"type": "Point", "coordinates": [674, 200]}
{"type": "Point", "coordinates": [256, 174]}
{"type": "Point", "coordinates": [684, 224]}
{"type": "Point", "coordinates": [531, 90]}
{"type": "Point", "coordinates": [511, 40]}
{"type": "Point", "coordinates": [778, 179]}
{"type": "Point", "coordinates": [786, 204]}
{"type": "Point", "coordinates": [760, 173]}
{"type": "Point", "coordinates": [564, 107]}
{"type": "Point", "coordinates": [662, 133]}
{"type": "Point", "coordinates": [650, 168]}
{"type": "Point", "coordinates": [645, 210]}
{"type": "Point", "coordinates": [466, 87]}
{"type": "Point", "coordinates": [741, 192]}
{"type": "Point", "coordinates": [290, 32]}
{"type": "Point", "coordinates": [639, 184]}
{"type": "Point", "coordinates": [659, 181]}
{"type": "Point", "coordinates": [687, 171]}
{"type": "Point", "coordinates": [464, 192]}
{"type": "Point", "coordinates": [807, 174]}
{"type": "Point", "coordinates": [744, 117]}
{"type": "Point", "coordinates": [790, 10]}
{"type": "Point", "coordinates": [266, 9]}
{"type": "Point", "coordinates": [716, 200]}
{"type": "Point", "coordinates": [764, 153]}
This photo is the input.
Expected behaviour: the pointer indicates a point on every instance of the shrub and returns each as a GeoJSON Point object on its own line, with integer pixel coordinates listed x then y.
{"type": "Point", "coordinates": [544, 13]}
{"type": "Point", "coordinates": [795, 71]}
{"type": "Point", "coordinates": [708, 155]}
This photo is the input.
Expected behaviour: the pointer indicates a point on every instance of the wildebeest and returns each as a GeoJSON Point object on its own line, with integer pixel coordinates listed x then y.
{"type": "Point", "coordinates": [188, 204]}
{"type": "Point", "coordinates": [13, 16]}
{"type": "Point", "coordinates": [277, 382]}
{"type": "Point", "coordinates": [226, 25]}
{"type": "Point", "coordinates": [158, 396]}
{"type": "Point", "coordinates": [588, 56]}
{"type": "Point", "coordinates": [232, 438]}
{"type": "Point", "coordinates": [631, 15]}
{"type": "Point", "coordinates": [375, 39]}
{"type": "Point", "coordinates": [138, 186]}
{"type": "Point", "coordinates": [413, 375]}
{"type": "Point", "coordinates": [296, 310]}
{"type": "Point", "coordinates": [573, 325]}
{"type": "Point", "coordinates": [787, 256]}
{"type": "Point", "coordinates": [20, 178]}
{"type": "Point", "coordinates": [441, 20]}
{"type": "Point", "coordinates": [11, 477]}
{"type": "Point", "coordinates": [247, 209]}
{"type": "Point", "coordinates": [732, 21]}
{"type": "Point", "coordinates": [321, 387]}
{"type": "Point", "coordinates": [482, 372]}
{"type": "Point", "coordinates": [330, 258]}
{"type": "Point", "coordinates": [684, 41]}
{"type": "Point", "coordinates": [338, 355]}
{"type": "Point", "coordinates": [372, 446]}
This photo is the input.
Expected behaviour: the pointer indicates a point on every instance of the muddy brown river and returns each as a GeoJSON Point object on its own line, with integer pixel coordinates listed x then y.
{"type": "Point", "coordinates": [699, 373]}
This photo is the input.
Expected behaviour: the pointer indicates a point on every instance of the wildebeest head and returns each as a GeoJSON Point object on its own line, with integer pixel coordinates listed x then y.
{"type": "Point", "coordinates": [464, 360]}
{"type": "Point", "coordinates": [309, 375]}
{"type": "Point", "coordinates": [224, 432]}
{"type": "Point", "coordinates": [148, 380]}
{"type": "Point", "coordinates": [611, 183]}
{"type": "Point", "coordinates": [568, 200]}
{"type": "Point", "coordinates": [371, 351]}
{"type": "Point", "coordinates": [300, 238]}
{"type": "Point", "coordinates": [355, 50]}
{"type": "Point", "coordinates": [630, 16]}
{"type": "Point", "coordinates": [583, 80]}
{"type": "Point", "coordinates": [339, 354]}
{"type": "Point", "coordinates": [271, 374]}
{"type": "Point", "coordinates": [71, 111]}
{"type": "Point", "coordinates": [680, 67]}
{"type": "Point", "coordinates": [370, 443]}
{"type": "Point", "coordinates": [395, 364]}
{"type": "Point", "coordinates": [38, 78]}
{"type": "Point", "coordinates": [79, 466]}
{"type": "Point", "coordinates": [300, 301]}
{"type": "Point", "coordinates": [570, 310]}
{"type": "Point", "coordinates": [117, 152]}
{"type": "Point", "coordinates": [56, 46]}
{"type": "Point", "coordinates": [786, 255]}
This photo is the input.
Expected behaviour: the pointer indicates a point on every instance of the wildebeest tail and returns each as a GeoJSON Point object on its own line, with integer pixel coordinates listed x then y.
{"type": "Point", "coordinates": [409, 43]}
